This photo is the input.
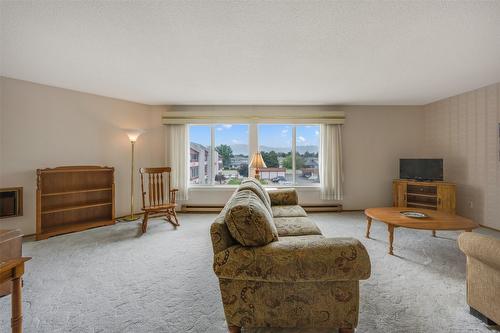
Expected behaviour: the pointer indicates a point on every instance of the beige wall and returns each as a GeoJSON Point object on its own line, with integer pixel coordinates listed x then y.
{"type": "Point", "coordinates": [42, 126]}
{"type": "Point", "coordinates": [374, 140]}
{"type": "Point", "coordinates": [46, 127]}
{"type": "Point", "coordinates": [464, 131]}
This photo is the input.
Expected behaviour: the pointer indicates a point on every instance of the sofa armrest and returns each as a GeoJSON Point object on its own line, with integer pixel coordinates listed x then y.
{"type": "Point", "coordinates": [283, 197]}
{"type": "Point", "coordinates": [296, 259]}
{"type": "Point", "coordinates": [483, 248]}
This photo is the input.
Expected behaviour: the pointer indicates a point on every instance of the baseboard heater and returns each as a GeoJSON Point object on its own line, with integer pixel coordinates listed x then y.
{"type": "Point", "coordinates": [201, 208]}
{"type": "Point", "coordinates": [218, 208]}
{"type": "Point", "coordinates": [323, 208]}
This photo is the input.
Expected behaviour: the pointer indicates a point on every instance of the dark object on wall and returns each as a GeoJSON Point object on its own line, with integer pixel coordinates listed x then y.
{"type": "Point", "coordinates": [425, 169]}
{"type": "Point", "coordinates": [11, 202]}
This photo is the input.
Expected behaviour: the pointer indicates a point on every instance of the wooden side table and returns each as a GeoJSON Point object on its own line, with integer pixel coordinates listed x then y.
{"type": "Point", "coordinates": [11, 247]}
{"type": "Point", "coordinates": [13, 270]}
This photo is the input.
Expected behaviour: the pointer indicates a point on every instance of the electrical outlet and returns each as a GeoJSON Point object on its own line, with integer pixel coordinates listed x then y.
{"type": "Point", "coordinates": [471, 204]}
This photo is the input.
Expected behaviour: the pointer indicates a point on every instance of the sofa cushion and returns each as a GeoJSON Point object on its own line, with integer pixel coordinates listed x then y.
{"type": "Point", "coordinates": [296, 259]}
{"type": "Point", "coordinates": [284, 197]}
{"type": "Point", "coordinates": [219, 232]}
{"type": "Point", "coordinates": [288, 211]}
{"type": "Point", "coordinates": [258, 190]}
{"type": "Point", "coordinates": [295, 226]}
{"type": "Point", "coordinates": [259, 185]}
{"type": "Point", "coordinates": [249, 221]}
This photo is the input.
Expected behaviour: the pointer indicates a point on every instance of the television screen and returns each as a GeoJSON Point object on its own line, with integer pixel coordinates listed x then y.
{"type": "Point", "coordinates": [421, 168]}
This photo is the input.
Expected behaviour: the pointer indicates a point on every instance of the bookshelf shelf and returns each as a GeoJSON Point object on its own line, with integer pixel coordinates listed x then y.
{"type": "Point", "coordinates": [78, 191]}
{"type": "Point", "coordinates": [79, 226]}
{"type": "Point", "coordinates": [76, 207]}
{"type": "Point", "coordinates": [410, 204]}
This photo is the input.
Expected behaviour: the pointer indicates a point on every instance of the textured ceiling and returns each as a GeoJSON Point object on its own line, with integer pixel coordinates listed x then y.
{"type": "Point", "coordinates": [253, 52]}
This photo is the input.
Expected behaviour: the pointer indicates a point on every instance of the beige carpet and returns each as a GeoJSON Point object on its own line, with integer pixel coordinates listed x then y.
{"type": "Point", "coordinates": [112, 279]}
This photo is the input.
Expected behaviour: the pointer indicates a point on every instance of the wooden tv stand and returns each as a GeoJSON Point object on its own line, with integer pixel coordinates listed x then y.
{"type": "Point", "coordinates": [436, 195]}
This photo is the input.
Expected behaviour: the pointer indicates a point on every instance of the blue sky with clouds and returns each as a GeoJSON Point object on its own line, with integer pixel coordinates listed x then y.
{"type": "Point", "coordinates": [269, 135]}
{"type": "Point", "coordinates": [280, 136]}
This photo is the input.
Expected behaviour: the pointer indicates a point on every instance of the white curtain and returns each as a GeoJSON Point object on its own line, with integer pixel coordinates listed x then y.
{"type": "Point", "coordinates": [330, 166]}
{"type": "Point", "coordinates": [176, 157]}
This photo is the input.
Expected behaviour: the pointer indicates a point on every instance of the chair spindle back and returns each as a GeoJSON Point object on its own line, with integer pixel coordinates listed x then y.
{"type": "Point", "coordinates": [155, 186]}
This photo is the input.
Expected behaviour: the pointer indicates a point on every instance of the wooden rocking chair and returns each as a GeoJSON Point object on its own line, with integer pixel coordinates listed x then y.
{"type": "Point", "coordinates": [158, 200]}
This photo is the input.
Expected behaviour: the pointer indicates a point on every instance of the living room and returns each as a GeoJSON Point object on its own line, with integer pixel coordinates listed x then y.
{"type": "Point", "coordinates": [259, 166]}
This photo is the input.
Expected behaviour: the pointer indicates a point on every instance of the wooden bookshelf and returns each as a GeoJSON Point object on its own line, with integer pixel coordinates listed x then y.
{"type": "Point", "coordinates": [74, 198]}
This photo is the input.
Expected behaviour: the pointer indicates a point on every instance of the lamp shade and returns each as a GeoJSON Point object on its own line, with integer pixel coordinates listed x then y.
{"type": "Point", "coordinates": [257, 161]}
{"type": "Point", "coordinates": [133, 134]}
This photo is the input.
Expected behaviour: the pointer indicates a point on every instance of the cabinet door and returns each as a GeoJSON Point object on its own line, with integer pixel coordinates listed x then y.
{"type": "Point", "coordinates": [446, 198]}
{"type": "Point", "coordinates": [399, 194]}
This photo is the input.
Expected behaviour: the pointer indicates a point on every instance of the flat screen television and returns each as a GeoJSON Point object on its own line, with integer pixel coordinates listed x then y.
{"type": "Point", "coordinates": [421, 168]}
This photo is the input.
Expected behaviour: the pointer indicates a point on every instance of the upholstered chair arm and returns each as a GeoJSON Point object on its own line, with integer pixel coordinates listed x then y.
{"type": "Point", "coordinates": [296, 259]}
{"type": "Point", "coordinates": [284, 197]}
{"type": "Point", "coordinates": [483, 248]}
{"type": "Point", "coordinates": [173, 194]}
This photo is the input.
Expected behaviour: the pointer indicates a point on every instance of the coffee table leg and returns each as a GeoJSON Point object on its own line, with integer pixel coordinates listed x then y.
{"type": "Point", "coordinates": [433, 233]}
{"type": "Point", "coordinates": [368, 226]}
{"type": "Point", "coordinates": [390, 228]}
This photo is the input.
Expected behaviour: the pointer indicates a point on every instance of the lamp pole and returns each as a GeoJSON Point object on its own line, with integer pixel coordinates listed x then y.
{"type": "Point", "coordinates": [133, 136]}
{"type": "Point", "coordinates": [132, 217]}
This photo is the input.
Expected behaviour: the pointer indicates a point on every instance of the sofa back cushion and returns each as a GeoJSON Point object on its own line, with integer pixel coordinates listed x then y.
{"type": "Point", "coordinates": [259, 190]}
{"type": "Point", "coordinates": [219, 232]}
{"type": "Point", "coordinates": [249, 221]}
{"type": "Point", "coordinates": [284, 197]}
{"type": "Point", "coordinates": [259, 185]}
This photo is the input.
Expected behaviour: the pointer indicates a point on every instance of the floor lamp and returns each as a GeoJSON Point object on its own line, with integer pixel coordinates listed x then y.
{"type": "Point", "coordinates": [133, 135]}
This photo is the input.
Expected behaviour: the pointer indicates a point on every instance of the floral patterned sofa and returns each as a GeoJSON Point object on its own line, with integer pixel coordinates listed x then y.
{"type": "Point", "coordinates": [276, 269]}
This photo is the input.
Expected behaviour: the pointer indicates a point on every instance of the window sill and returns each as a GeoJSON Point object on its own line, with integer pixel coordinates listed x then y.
{"type": "Point", "coordinates": [233, 187]}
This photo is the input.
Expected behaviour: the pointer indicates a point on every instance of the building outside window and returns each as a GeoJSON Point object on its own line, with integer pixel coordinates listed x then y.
{"type": "Point", "coordinates": [199, 147]}
{"type": "Point", "coordinates": [227, 162]}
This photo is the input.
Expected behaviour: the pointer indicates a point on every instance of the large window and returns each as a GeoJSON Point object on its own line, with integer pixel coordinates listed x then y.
{"type": "Point", "coordinates": [219, 153]}
{"type": "Point", "coordinates": [290, 153]}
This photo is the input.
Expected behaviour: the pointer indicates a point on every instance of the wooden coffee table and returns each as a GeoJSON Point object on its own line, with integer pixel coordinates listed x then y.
{"type": "Point", "coordinates": [436, 221]}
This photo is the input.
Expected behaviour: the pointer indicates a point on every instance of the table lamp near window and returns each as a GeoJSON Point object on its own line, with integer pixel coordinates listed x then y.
{"type": "Point", "coordinates": [257, 163]}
